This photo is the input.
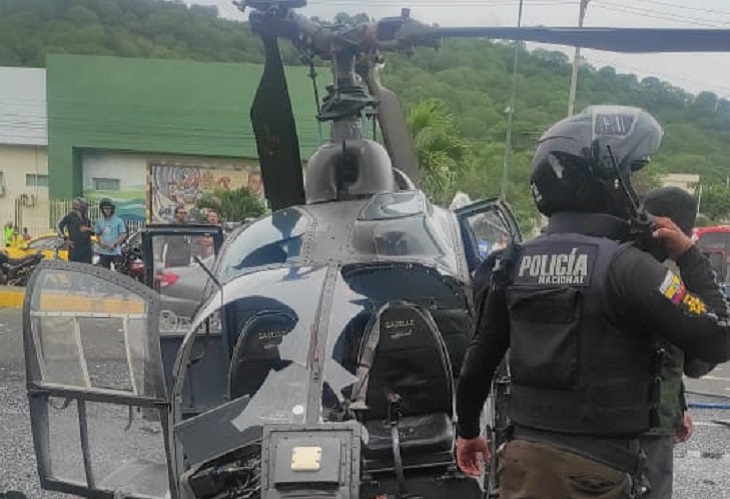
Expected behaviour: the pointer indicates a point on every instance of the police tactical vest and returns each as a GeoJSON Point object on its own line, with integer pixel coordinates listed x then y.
{"type": "Point", "coordinates": [574, 369]}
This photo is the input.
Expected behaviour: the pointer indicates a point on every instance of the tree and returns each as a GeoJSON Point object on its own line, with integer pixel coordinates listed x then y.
{"type": "Point", "coordinates": [715, 202]}
{"type": "Point", "coordinates": [471, 78]}
{"type": "Point", "coordinates": [440, 153]}
{"type": "Point", "coordinates": [234, 205]}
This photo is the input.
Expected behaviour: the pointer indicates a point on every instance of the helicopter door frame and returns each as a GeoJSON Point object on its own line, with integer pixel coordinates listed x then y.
{"type": "Point", "coordinates": [66, 401]}
{"type": "Point", "coordinates": [206, 385]}
{"type": "Point", "coordinates": [151, 231]}
{"type": "Point", "coordinates": [467, 213]}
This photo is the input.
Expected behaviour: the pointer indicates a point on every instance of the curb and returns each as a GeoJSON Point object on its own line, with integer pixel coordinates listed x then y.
{"type": "Point", "coordinates": [11, 296]}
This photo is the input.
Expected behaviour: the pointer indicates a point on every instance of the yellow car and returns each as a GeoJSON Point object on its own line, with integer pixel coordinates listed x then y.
{"type": "Point", "coordinates": [45, 244]}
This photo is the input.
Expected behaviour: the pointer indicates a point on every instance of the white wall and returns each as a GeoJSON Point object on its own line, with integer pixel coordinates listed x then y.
{"type": "Point", "coordinates": [129, 169]}
{"type": "Point", "coordinates": [23, 107]}
{"type": "Point", "coordinates": [15, 163]}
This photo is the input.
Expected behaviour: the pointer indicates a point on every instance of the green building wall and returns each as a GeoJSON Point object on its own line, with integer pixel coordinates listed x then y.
{"type": "Point", "coordinates": [157, 106]}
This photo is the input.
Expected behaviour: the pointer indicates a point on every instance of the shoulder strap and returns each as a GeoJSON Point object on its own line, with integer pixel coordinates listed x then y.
{"type": "Point", "coordinates": [365, 362]}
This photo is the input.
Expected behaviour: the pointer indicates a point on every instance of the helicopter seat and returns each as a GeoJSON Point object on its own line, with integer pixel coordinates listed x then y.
{"type": "Point", "coordinates": [402, 353]}
{"type": "Point", "coordinates": [256, 353]}
{"type": "Point", "coordinates": [353, 169]}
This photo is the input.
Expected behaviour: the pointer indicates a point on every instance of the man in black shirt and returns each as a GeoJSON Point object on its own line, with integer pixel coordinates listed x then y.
{"type": "Point", "coordinates": [579, 308]}
{"type": "Point", "coordinates": [76, 230]}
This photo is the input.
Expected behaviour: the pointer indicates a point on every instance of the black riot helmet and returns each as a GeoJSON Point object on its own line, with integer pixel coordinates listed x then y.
{"type": "Point", "coordinates": [584, 162]}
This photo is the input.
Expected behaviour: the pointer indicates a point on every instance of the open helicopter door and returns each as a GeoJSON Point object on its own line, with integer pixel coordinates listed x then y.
{"type": "Point", "coordinates": [98, 405]}
{"type": "Point", "coordinates": [174, 257]}
{"type": "Point", "coordinates": [486, 226]}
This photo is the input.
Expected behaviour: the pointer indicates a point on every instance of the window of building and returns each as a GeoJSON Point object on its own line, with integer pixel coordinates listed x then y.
{"type": "Point", "coordinates": [106, 184]}
{"type": "Point", "coordinates": [36, 180]}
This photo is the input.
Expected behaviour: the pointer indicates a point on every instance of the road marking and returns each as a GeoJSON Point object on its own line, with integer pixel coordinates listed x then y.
{"type": "Point", "coordinates": [696, 454]}
{"type": "Point", "coordinates": [11, 298]}
{"type": "Point", "coordinates": [717, 378]}
{"type": "Point", "coordinates": [709, 424]}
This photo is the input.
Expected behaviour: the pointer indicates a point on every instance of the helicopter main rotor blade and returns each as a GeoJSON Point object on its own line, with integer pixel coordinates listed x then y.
{"type": "Point", "coordinates": [393, 126]}
{"type": "Point", "coordinates": [273, 123]}
{"type": "Point", "coordinates": [627, 40]}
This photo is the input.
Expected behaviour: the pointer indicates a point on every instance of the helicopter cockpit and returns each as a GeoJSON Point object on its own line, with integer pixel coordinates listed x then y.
{"type": "Point", "coordinates": [327, 348]}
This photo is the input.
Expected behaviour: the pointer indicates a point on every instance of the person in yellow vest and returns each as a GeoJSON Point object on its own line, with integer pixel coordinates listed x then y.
{"type": "Point", "coordinates": [8, 234]}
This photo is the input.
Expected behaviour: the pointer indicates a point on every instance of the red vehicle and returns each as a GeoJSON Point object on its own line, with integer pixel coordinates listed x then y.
{"type": "Point", "coordinates": [715, 243]}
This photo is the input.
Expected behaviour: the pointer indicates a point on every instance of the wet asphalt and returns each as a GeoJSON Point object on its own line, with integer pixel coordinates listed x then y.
{"type": "Point", "coordinates": [702, 466]}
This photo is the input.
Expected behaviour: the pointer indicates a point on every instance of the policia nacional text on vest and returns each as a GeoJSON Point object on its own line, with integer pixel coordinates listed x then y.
{"type": "Point", "coordinates": [574, 370]}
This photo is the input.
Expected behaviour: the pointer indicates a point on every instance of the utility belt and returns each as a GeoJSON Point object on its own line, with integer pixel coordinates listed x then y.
{"type": "Point", "coordinates": [621, 454]}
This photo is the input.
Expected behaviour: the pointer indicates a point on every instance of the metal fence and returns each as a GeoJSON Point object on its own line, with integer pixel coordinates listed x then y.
{"type": "Point", "coordinates": [40, 216]}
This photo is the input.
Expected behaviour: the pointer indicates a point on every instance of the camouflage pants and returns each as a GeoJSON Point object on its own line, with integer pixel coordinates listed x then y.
{"type": "Point", "coordinates": [534, 470]}
{"type": "Point", "coordinates": [659, 465]}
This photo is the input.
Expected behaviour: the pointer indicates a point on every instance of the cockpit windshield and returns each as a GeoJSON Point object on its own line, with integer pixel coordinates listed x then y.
{"type": "Point", "coordinates": [270, 318]}
{"type": "Point", "coordinates": [269, 241]}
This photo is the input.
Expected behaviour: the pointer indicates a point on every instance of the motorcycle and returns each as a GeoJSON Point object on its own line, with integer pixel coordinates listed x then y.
{"type": "Point", "coordinates": [16, 272]}
{"type": "Point", "coordinates": [131, 263]}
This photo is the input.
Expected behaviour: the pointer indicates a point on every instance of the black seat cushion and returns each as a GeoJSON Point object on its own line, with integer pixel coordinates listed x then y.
{"type": "Point", "coordinates": [410, 360]}
{"type": "Point", "coordinates": [256, 353]}
{"type": "Point", "coordinates": [427, 434]}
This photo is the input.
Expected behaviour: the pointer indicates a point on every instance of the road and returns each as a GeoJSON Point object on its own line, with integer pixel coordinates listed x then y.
{"type": "Point", "coordinates": [701, 465]}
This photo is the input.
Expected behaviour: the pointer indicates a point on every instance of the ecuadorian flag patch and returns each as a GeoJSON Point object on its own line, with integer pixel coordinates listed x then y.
{"type": "Point", "coordinates": [673, 288]}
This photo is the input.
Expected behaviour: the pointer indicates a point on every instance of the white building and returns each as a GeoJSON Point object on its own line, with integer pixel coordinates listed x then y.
{"type": "Point", "coordinates": [686, 181]}
{"type": "Point", "coordinates": [23, 148]}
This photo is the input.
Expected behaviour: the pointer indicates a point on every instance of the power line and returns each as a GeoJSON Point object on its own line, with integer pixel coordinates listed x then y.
{"type": "Point", "coordinates": [438, 3]}
{"type": "Point", "coordinates": [673, 76]}
{"type": "Point", "coordinates": [652, 13]}
{"type": "Point", "coordinates": [685, 7]}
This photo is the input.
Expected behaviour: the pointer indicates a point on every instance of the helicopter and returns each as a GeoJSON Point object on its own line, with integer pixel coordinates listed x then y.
{"type": "Point", "coordinates": [317, 355]}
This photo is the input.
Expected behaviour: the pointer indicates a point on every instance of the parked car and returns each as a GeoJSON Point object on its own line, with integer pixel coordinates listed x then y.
{"type": "Point", "coordinates": [714, 242]}
{"type": "Point", "coordinates": [181, 285]}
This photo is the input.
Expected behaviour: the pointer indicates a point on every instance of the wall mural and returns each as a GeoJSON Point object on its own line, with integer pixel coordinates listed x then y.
{"type": "Point", "coordinates": [130, 203]}
{"type": "Point", "coordinates": [181, 185]}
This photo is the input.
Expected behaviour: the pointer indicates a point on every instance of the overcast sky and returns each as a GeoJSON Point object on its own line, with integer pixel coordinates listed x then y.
{"type": "Point", "coordinates": [694, 72]}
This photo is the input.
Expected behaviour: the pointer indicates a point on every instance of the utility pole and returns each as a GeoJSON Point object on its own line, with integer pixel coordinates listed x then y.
{"type": "Point", "coordinates": [576, 60]}
{"type": "Point", "coordinates": [511, 112]}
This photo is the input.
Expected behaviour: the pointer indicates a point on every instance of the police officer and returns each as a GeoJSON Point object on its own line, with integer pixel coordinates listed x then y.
{"type": "Point", "coordinates": [675, 425]}
{"type": "Point", "coordinates": [579, 310]}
